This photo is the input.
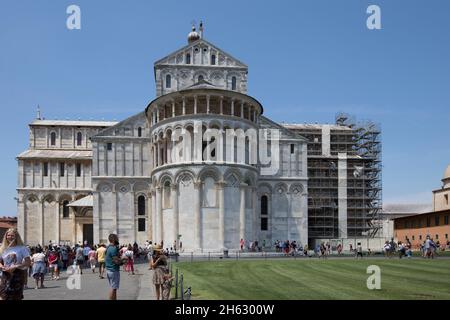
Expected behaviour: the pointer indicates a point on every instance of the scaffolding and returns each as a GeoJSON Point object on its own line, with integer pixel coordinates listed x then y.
{"type": "Point", "coordinates": [361, 144]}
{"type": "Point", "coordinates": [364, 202]}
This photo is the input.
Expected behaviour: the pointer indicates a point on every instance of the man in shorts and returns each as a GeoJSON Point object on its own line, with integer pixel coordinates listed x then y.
{"type": "Point", "coordinates": [112, 263]}
{"type": "Point", "coordinates": [100, 257]}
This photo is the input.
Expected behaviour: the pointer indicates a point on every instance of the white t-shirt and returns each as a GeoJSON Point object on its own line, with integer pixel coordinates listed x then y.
{"type": "Point", "coordinates": [15, 255]}
{"type": "Point", "coordinates": [38, 257]}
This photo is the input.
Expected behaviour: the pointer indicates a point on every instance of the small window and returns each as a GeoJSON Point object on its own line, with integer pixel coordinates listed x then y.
{"type": "Point", "coordinates": [200, 78]}
{"type": "Point", "coordinates": [413, 238]}
{"type": "Point", "coordinates": [437, 236]}
{"type": "Point", "coordinates": [168, 81]}
{"type": "Point", "coordinates": [292, 148]}
{"type": "Point", "coordinates": [79, 138]}
{"type": "Point", "coordinates": [65, 209]}
{"type": "Point", "coordinates": [109, 146]}
{"type": "Point", "coordinates": [139, 132]}
{"type": "Point", "coordinates": [45, 169]}
{"type": "Point", "coordinates": [446, 220]}
{"type": "Point", "coordinates": [188, 58]}
{"type": "Point", "coordinates": [141, 224]}
{"type": "Point", "coordinates": [78, 169]}
{"type": "Point", "coordinates": [263, 224]}
{"type": "Point", "coordinates": [420, 237]}
{"type": "Point", "coordinates": [53, 139]}
{"type": "Point", "coordinates": [436, 221]}
{"type": "Point", "coordinates": [213, 59]}
{"type": "Point", "coordinates": [446, 199]}
{"type": "Point", "coordinates": [446, 236]}
{"type": "Point", "coordinates": [233, 83]}
{"type": "Point", "coordinates": [62, 169]}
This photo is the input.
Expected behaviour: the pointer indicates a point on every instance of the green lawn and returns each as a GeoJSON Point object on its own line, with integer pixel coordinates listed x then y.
{"type": "Point", "coordinates": [316, 279]}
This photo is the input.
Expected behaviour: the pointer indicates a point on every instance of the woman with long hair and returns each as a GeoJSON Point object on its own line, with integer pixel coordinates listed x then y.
{"type": "Point", "coordinates": [14, 261]}
{"type": "Point", "coordinates": [159, 266]}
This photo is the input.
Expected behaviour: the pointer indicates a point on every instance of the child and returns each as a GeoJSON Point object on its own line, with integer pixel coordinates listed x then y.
{"type": "Point", "coordinates": [167, 285]}
{"type": "Point", "coordinates": [92, 260]}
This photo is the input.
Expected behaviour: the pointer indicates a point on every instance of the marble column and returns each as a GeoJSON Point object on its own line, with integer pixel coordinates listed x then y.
{"type": "Point", "coordinates": [176, 220]}
{"type": "Point", "coordinates": [154, 219]}
{"type": "Point", "coordinates": [149, 217]}
{"type": "Point", "coordinates": [197, 216]}
{"type": "Point", "coordinates": [242, 212]}
{"type": "Point", "coordinates": [254, 214]}
{"type": "Point", "coordinates": [57, 221]}
{"type": "Point", "coordinates": [159, 217]}
{"type": "Point", "coordinates": [42, 221]}
{"type": "Point", "coordinates": [221, 235]}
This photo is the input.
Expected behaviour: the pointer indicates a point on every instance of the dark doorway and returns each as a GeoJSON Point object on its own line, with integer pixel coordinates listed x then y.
{"type": "Point", "coordinates": [88, 233]}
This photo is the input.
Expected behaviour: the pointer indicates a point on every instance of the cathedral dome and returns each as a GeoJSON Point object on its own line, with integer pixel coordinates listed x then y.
{"type": "Point", "coordinates": [447, 173]}
{"type": "Point", "coordinates": [193, 35]}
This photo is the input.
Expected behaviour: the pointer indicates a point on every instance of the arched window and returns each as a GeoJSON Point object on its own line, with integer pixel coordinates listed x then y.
{"type": "Point", "coordinates": [188, 58]}
{"type": "Point", "coordinates": [53, 139]}
{"type": "Point", "coordinates": [141, 206]}
{"type": "Point", "coordinates": [79, 138]}
{"type": "Point", "coordinates": [139, 132]}
{"type": "Point", "coordinates": [168, 81]}
{"type": "Point", "coordinates": [213, 59]}
{"type": "Point", "coordinates": [200, 78]}
{"type": "Point", "coordinates": [233, 83]}
{"type": "Point", "coordinates": [264, 213]}
{"type": "Point", "coordinates": [65, 209]}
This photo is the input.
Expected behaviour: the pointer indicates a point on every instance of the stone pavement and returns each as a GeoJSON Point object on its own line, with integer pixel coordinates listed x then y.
{"type": "Point", "coordinates": [91, 287]}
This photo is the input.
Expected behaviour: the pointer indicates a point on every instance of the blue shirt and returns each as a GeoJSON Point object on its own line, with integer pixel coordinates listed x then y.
{"type": "Point", "coordinates": [111, 252]}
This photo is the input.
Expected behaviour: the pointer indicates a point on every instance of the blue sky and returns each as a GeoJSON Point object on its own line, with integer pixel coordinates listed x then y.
{"type": "Point", "coordinates": [307, 61]}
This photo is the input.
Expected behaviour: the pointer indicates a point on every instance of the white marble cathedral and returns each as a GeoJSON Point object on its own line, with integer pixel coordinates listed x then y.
{"type": "Point", "coordinates": [81, 180]}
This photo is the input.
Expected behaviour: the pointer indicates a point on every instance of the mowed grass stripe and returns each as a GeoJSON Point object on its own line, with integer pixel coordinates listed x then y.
{"type": "Point", "coordinates": [316, 279]}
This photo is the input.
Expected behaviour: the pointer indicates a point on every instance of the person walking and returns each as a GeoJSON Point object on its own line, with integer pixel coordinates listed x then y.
{"type": "Point", "coordinates": [53, 264]}
{"type": "Point", "coordinates": [91, 256]}
{"type": "Point", "coordinates": [39, 268]}
{"type": "Point", "coordinates": [100, 256]}
{"type": "Point", "coordinates": [113, 263]}
{"type": "Point", "coordinates": [79, 257]}
{"type": "Point", "coordinates": [14, 261]}
{"type": "Point", "coordinates": [129, 254]}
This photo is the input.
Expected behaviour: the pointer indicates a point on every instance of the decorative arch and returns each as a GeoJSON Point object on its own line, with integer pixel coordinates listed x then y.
{"type": "Point", "coordinates": [265, 188]}
{"type": "Point", "coordinates": [31, 197]}
{"type": "Point", "coordinates": [200, 73]}
{"type": "Point", "coordinates": [296, 189]}
{"type": "Point", "coordinates": [49, 198]}
{"type": "Point", "coordinates": [280, 188]}
{"type": "Point", "coordinates": [105, 187]}
{"type": "Point", "coordinates": [250, 179]}
{"type": "Point", "coordinates": [233, 177]}
{"type": "Point", "coordinates": [166, 176]}
{"type": "Point", "coordinates": [181, 176]}
{"type": "Point", "coordinates": [123, 187]}
{"type": "Point", "coordinates": [210, 171]}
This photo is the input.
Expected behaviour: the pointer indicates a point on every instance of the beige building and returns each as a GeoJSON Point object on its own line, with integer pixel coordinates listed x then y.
{"type": "Point", "coordinates": [440, 196]}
